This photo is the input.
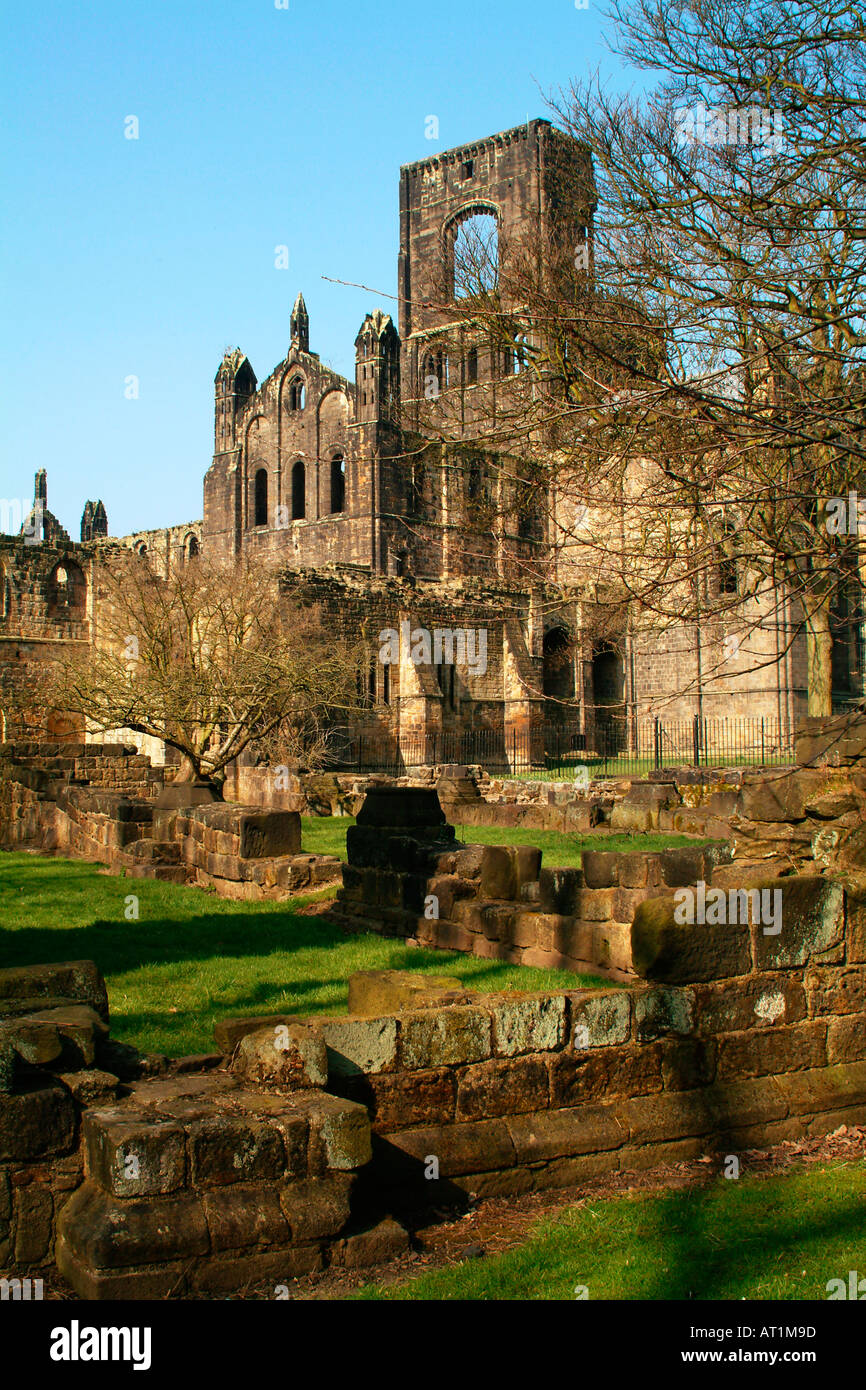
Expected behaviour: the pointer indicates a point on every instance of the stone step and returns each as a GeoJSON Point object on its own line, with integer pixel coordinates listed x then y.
{"type": "Point", "coordinates": [197, 1182]}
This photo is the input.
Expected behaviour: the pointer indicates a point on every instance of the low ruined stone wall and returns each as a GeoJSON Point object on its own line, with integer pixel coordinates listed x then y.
{"type": "Point", "coordinates": [282, 1155]}
{"type": "Point", "coordinates": [53, 1021]}
{"type": "Point", "coordinates": [729, 1039]}
{"type": "Point", "coordinates": [82, 802]}
{"type": "Point", "coordinates": [199, 1179]}
{"type": "Point", "coordinates": [247, 852]}
{"type": "Point", "coordinates": [413, 880]}
{"type": "Point", "coordinates": [73, 797]}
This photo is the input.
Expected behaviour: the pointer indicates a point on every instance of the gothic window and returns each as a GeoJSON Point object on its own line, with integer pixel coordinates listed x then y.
{"type": "Point", "coordinates": [514, 356]}
{"type": "Point", "coordinates": [728, 578]}
{"type": "Point", "coordinates": [299, 491]}
{"type": "Point", "coordinates": [261, 497]}
{"type": "Point", "coordinates": [338, 483]}
{"type": "Point", "coordinates": [476, 255]}
{"type": "Point", "coordinates": [445, 679]}
{"type": "Point", "coordinates": [67, 589]}
{"type": "Point", "coordinates": [419, 487]}
{"type": "Point", "coordinates": [297, 393]}
{"type": "Point", "coordinates": [474, 480]}
{"type": "Point", "coordinates": [190, 548]}
{"type": "Point", "coordinates": [434, 375]}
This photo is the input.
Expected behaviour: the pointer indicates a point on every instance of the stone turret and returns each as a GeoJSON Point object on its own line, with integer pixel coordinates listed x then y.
{"type": "Point", "coordinates": [40, 524]}
{"type": "Point", "coordinates": [300, 326]}
{"type": "Point", "coordinates": [94, 522]}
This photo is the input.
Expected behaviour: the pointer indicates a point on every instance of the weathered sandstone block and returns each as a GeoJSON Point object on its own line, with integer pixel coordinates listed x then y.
{"type": "Point", "coordinates": [289, 1056]}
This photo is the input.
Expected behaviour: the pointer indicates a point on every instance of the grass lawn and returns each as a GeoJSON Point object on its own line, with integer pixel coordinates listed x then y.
{"type": "Point", "coordinates": [193, 957]}
{"type": "Point", "coordinates": [770, 1237]}
{"type": "Point", "coordinates": [327, 835]}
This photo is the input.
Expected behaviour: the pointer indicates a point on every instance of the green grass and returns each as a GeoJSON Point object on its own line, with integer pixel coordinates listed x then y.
{"type": "Point", "coordinates": [778, 1237]}
{"type": "Point", "coordinates": [327, 835]}
{"type": "Point", "coordinates": [562, 851]}
{"type": "Point", "coordinates": [193, 957]}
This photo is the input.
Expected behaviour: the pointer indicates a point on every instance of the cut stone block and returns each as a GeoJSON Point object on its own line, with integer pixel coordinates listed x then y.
{"type": "Point", "coordinates": [37, 1122]}
{"type": "Point", "coordinates": [359, 1045]}
{"type": "Point", "coordinates": [131, 1155]}
{"type": "Point", "coordinates": [317, 1207]}
{"type": "Point", "coordinates": [290, 1057]}
{"type": "Point", "coordinates": [663, 949]}
{"type": "Point", "coordinates": [528, 1023]}
{"type": "Point", "coordinates": [77, 980]}
{"type": "Point", "coordinates": [376, 992]}
{"type": "Point", "coordinates": [445, 1037]}
{"type": "Point", "coordinates": [339, 1131]}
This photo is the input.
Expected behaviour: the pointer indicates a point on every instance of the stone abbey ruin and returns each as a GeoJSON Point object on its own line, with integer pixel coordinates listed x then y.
{"type": "Point", "coordinates": [302, 1144]}
{"type": "Point", "coordinates": [395, 496]}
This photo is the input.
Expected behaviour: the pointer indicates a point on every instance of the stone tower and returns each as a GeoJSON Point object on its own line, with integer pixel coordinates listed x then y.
{"type": "Point", "coordinates": [300, 326]}
{"type": "Point", "coordinates": [94, 522]}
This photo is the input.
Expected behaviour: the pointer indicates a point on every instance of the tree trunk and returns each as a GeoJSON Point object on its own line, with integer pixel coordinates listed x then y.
{"type": "Point", "coordinates": [188, 770]}
{"type": "Point", "coordinates": [819, 655]}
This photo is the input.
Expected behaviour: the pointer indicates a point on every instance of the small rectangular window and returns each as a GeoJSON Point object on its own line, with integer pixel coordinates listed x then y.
{"type": "Point", "coordinates": [467, 168]}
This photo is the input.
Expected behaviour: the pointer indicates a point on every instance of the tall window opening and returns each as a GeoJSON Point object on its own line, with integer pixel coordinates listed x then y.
{"type": "Point", "coordinates": [297, 393]}
{"type": "Point", "coordinates": [261, 498]}
{"type": "Point", "coordinates": [299, 499]}
{"type": "Point", "coordinates": [476, 255]}
{"type": "Point", "coordinates": [338, 483]}
{"type": "Point", "coordinates": [727, 570]}
{"type": "Point", "coordinates": [472, 366]}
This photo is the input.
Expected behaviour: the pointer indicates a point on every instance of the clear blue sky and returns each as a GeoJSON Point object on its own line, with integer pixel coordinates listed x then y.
{"type": "Point", "coordinates": [258, 127]}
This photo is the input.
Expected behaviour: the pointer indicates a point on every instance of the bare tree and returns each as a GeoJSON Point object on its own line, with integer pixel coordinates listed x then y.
{"type": "Point", "coordinates": [692, 399]}
{"type": "Point", "coordinates": [212, 659]}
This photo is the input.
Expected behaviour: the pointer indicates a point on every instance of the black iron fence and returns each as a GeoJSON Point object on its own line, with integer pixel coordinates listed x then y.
{"type": "Point", "coordinates": [562, 754]}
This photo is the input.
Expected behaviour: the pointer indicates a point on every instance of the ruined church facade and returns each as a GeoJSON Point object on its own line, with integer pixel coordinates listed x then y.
{"type": "Point", "coordinates": [357, 486]}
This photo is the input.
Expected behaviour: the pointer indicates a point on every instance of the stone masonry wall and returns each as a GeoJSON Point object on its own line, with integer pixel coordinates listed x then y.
{"type": "Point", "coordinates": [407, 876]}
{"type": "Point", "coordinates": [285, 1153]}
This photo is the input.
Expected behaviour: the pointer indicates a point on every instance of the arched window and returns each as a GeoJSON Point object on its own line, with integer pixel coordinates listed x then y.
{"type": "Point", "coordinates": [299, 500]}
{"type": "Point", "coordinates": [190, 548]}
{"type": "Point", "coordinates": [475, 479]}
{"type": "Point", "coordinates": [514, 357]}
{"type": "Point", "coordinates": [141, 549]}
{"type": "Point", "coordinates": [261, 497]}
{"type": "Point", "coordinates": [728, 575]}
{"type": "Point", "coordinates": [297, 393]}
{"type": "Point", "coordinates": [338, 483]}
{"type": "Point", "coordinates": [476, 255]}
{"type": "Point", "coordinates": [67, 590]}
{"type": "Point", "coordinates": [419, 487]}
{"type": "Point", "coordinates": [434, 375]}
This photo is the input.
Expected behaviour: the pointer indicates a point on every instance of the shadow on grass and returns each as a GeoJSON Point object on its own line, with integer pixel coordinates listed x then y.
{"type": "Point", "coordinates": [712, 1244]}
